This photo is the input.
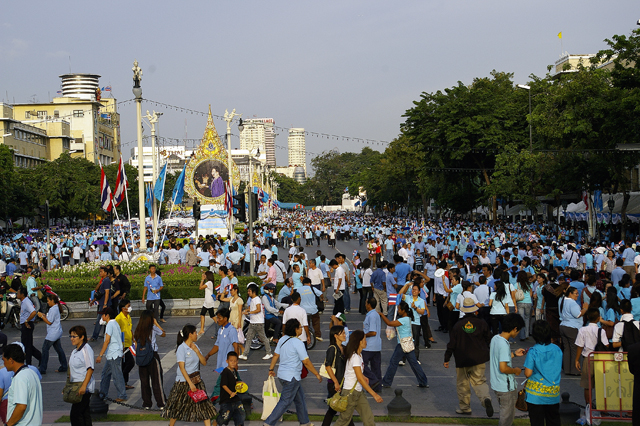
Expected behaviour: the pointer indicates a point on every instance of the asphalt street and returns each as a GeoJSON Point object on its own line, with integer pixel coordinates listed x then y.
{"type": "Point", "coordinates": [440, 399]}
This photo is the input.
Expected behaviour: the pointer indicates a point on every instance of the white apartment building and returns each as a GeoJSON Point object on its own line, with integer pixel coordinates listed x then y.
{"type": "Point", "coordinates": [175, 156]}
{"type": "Point", "coordinates": [259, 133]}
{"type": "Point", "coordinates": [297, 148]}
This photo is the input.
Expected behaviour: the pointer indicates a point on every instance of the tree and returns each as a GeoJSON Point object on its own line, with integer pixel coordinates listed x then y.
{"type": "Point", "coordinates": [8, 179]}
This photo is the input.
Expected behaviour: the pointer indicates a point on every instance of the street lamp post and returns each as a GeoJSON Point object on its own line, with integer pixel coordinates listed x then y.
{"type": "Point", "coordinates": [137, 92]}
{"type": "Point", "coordinates": [229, 118]}
{"type": "Point", "coordinates": [565, 203]}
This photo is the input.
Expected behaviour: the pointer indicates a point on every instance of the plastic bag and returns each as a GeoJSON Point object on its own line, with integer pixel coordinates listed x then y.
{"type": "Point", "coordinates": [270, 397]}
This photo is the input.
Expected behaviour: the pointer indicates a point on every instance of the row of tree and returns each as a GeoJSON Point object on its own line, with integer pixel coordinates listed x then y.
{"type": "Point", "coordinates": [71, 185]}
{"type": "Point", "coordinates": [471, 145]}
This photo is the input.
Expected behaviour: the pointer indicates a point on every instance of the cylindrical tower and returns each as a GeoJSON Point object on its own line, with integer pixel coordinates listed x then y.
{"type": "Point", "coordinates": [81, 86]}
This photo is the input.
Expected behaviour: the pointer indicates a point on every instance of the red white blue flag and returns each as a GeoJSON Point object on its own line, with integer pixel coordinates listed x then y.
{"type": "Point", "coordinates": [392, 299]}
{"type": "Point", "coordinates": [105, 192]}
{"type": "Point", "coordinates": [121, 184]}
{"type": "Point", "coordinates": [228, 199]}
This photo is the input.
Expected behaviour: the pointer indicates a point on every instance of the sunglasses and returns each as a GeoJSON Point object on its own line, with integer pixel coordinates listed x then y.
{"type": "Point", "coordinates": [71, 336]}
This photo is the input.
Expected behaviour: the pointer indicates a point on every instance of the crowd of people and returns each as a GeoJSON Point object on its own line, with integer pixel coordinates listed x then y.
{"type": "Point", "coordinates": [487, 286]}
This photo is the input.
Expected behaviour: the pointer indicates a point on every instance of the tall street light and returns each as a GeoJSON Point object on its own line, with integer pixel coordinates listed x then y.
{"type": "Point", "coordinates": [137, 92]}
{"type": "Point", "coordinates": [528, 88]}
{"type": "Point", "coordinates": [229, 118]}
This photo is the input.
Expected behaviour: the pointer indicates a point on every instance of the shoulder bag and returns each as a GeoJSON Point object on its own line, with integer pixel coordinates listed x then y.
{"type": "Point", "coordinates": [323, 367]}
{"type": "Point", "coordinates": [339, 402]}
{"type": "Point", "coordinates": [521, 402]}
{"type": "Point", "coordinates": [407, 344]}
{"type": "Point", "coordinates": [70, 392]}
{"type": "Point", "coordinates": [519, 294]}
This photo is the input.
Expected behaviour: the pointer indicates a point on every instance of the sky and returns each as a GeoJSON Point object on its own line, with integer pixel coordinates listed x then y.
{"type": "Point", "coordinates": [345, 68]}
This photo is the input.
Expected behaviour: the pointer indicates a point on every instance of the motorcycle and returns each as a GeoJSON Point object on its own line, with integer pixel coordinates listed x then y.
{"type": "Point", "coordinates": [11, 314]}
{"type": "Point", "coordinates": [44, 307]}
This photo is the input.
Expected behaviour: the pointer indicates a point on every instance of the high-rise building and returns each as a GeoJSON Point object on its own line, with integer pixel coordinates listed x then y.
{"type": "Point", "coordinates": [297, 148]}
{"type": "Point", "coordinates": [259, 133]}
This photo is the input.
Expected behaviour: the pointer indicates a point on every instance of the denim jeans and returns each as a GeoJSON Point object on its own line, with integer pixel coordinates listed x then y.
{"type": "Point", "coordinates": [112, 367]}
{"type": "Point", "coordinates": [398, 354]}
{"type": "Point", "coordinates": [231, 411]}
{"type": "Point", "coordinates": [97, 327]}
{"type": "Point", "coordinates": [45, 355]}
{"type": "Point", "coordinates": [524, 309]}
{"type": "Point", "coordinates": [388, 256]}
{"type": "Point", "coordinates": [291, 392]}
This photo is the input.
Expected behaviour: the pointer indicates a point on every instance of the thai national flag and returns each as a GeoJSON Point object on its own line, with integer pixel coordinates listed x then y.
{"type": "Point", "coordinates": [121, 184]}
{"type": "Point", "coordinates": [105, 191]}
{"type": "Point", "coordinates": [228, 199]}
{"type": "Point", "coordinates": [392, 299]}
{"type": "Point", "coordinates": [132, 349]}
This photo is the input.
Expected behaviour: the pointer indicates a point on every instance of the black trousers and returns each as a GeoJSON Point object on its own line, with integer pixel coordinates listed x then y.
{"type": "Point", "coordinates": [80, 414]}
{"type": "Point", "coordinates": [426, 329]}
{"type": "Point", "coordinates": [127, 365]}
{"type": "Point", "coordinates": [372, 366]}
{"type": "Point", "coordinates": [277, 326]}
{"type": "Point", "coordinates": [26, 337]}
{"type": "Point", "coordinates": [152, 372]}
{"type": "Point", "coordinates": [541, 415]}
{"type": "Point", "coordinates": [338, 305]}
{"type": "Point", "coordinates": [162, 308]}
{"type": "Point", "coordinates": [443, 312]}
{"type": "Point", "coordinates": [153, 305]}
{"type": "Point", "coordinates": [365, 294]}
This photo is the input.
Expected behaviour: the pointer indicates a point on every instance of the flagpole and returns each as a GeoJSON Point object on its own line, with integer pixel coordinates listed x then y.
{"type": "Point", "coordinates": [126, 195]}
{"type": "Point", "coordinates": [173, 204]}
{"type": "Point", "coordinates": [113, 203]}
{"type": "Point", "coordinates": [157, 221]}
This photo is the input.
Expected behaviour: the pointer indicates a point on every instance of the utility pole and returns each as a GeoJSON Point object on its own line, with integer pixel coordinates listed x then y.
{"type": "Point", "coordinates": [252, 260]}
{"type": "Point", "coordinates": [137, 92]}
{"type": "Point", "coordinates": [153, 119]}
{"type": "Point", "coordinates": [229, 118]}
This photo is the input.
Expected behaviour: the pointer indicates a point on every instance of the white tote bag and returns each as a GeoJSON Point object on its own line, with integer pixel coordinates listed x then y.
{"type": "Point", "coordinates": [270, 397]}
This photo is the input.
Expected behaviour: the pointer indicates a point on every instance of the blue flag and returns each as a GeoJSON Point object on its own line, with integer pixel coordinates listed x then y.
{"type": "Point", "coordinates": [178, 189]}
{"type": "Point", "coordinates": [159, 186]}
{"type": "Point", "coordinates": [149, 200]}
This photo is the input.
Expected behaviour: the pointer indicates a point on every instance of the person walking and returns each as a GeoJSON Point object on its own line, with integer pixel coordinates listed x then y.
{"type": "Point", "coordinates": [54, 333]}
{"type": "Point", "coordinates": [81, 368]}
{"type": "Point", "coordinates": [524, 306]}
{"type": "Point", "coordinates": [24, 405]}
{"type": "Point", "coordinates": [570, 322]}
{"type": "Point", "coordinates": [355, 382]}
{"type": "Point", "coordinates": [339, 284]}
{"type": "Point", "coordinates": [371, 355]}
{"type": "Point", "coordinates": [146, 332]}
{"type": "Point", "coordinates": [405, 340]}
{"type": "Point", "coordinates": [334, 362]}
{"type": "Point", "coordinates": [292, 354]}
{"type": "Point", "coordinates": [102, 296]}
{"type": "Point", "coordinates": [112, 351]}
{"type": "Point", "coordinates": [499, 301]}
{"type": "Point", "coordinates": [208, 306]}
{"type": "Point", "coordinates": [542, 368]}
{"type": "Point", "coordinates": [308, 295]}
{"type": "Point", "coordinates": [27, 316]}
{"type": "Point", "coordinates": [126, 326]}
{"type": "Point", "coordinates": [502, 373]}
{"type": "Point", "coordinates": [256, 323]}
{"type": "Point", "coordinates": [153, 285]}
{"type": "Point", "coordinates": [469, 341]}
{"type": "Point", "coordinates": [179, 405]}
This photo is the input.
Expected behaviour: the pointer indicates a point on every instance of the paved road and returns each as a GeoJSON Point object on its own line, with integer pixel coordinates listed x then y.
{"type": "Point", "coordinates": [438, 400]}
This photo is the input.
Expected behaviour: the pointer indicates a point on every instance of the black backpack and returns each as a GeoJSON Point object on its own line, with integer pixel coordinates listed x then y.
{"type": "Point", "coordinates": [144, 354]}
{"type": "Point", "coordinates": [601, 347]}
{"type": "Point", "coordinates": [630, 335]}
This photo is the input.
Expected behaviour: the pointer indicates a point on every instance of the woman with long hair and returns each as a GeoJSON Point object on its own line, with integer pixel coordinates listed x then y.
{"type": "Point", "coordinates": [207, 284]}
{"type": "Point", "coordinates": [180, 405]}
{"type": "Point", "coordinates": [611, 307]}
{"type": "Point", "coordinates": [81, 368]}
{"type": "Point", "coordinates": [524, 305]}
{"type": "Point", "coordinates": [334, 362]}
{"type": "Point", "coordinates": [235, 310]}
{"type": "Point", "coordinates": [499, 302]}
{"type": "Point", "coordinates": [571, 321]}
{"type": "Point", "coordinates": [146, 331]}
{"type": "Point", "coordinates": [355, 382]}
{"type": "Point", "coordinates": [404, 334]}
{"type": "Point", "coordinates": [54, 333]}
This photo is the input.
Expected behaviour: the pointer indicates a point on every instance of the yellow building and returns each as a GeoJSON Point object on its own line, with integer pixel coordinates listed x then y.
{"type": "Point", "coordinates": [570, 63]}
{"type": "Point", "coordinates": [29, 143]}
{"type": "Point", "coordinates": [94, 122]}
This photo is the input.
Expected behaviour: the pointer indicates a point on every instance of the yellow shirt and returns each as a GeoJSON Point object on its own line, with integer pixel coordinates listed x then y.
{"type": "Point", "coordinates": [125, 325]}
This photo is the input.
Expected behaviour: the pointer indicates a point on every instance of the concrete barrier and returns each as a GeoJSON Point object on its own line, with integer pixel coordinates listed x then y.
{"type": "Point", "coordinates": [175, 307]}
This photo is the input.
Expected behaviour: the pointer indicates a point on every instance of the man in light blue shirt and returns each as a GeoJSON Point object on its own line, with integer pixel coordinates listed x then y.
{"type": "Point", "coordinates": [371, 355]}
{"type": "Point", "coordinates": [153, 285]}
{"type": "Point", "coordinates": [27, 315]}
{"type": "Point", "coordinates": [617, 273]}
{"type": "Point", "coordinates": [112, 351]}
{"type": "Point", "coordinates": [308, 303]}
{"type": "Point", "coordinates": [628, 256]}
{"type": "Point", "coordinates": [502, 374]}
{"type": "Point", "coordinates": [24, 404]}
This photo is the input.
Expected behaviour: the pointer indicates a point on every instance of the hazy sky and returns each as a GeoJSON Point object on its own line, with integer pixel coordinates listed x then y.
{"type": "Point", "coordinates": [348, 68]}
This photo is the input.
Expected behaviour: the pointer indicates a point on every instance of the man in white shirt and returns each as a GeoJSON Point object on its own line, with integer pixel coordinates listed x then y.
{"type": "Point", "coordinates": [256, 323]}
{"type": "Point", "coordinates": [338, 286]}
{"type": "Point", "coordinates": [77, 254]}
{"type": "Point", "coordinates": [174, 256]}
{"type": "Point", "coordinates": [263, 268]}
{"type": "Point", "coordinates": [298, 312]}
{"type": "Point", "coordinates": [280, 274]}
{"type": "Point", "coordinates": [618, 329]}
{"type": "Point", "coordinates": [315, 275]}
{"type": "Point", "coordinates": [403, 252]}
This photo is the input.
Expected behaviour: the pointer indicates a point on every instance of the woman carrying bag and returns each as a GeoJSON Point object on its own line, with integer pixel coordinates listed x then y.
{"type": "Point", "coordinates": [354, 382]}
{"type": "Point", "coordinates": [81, 367]}
{"type": "Point", "coordinates": [180, 404]}
{"type": "Point", "coordinates": [54, 333]}
{"type": "Point", "coordinates": [334, 363]}
{"type": "Point", "coordinates": [404, 348]}
{"type": "Point", "coordinates": [146, 332]}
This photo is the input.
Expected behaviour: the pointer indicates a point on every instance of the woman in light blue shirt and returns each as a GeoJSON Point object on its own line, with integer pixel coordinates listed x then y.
{"type": "Point", "coordinates": [81, 368]}
{"type": "Point", "coordinates": [179, 405]}
{"type": "Point", "coordinates": [403, 328]}
{"type": "Point", "coordinates": [54, 333]}
{"type": "Point", "coordinates": [570, 323]}
{"type": "Point", "coordinates": [524, 305]}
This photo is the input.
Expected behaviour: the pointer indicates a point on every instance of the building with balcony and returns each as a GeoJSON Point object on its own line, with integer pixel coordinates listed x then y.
{"type": "Point", "coordinates": [259, 133]}
{"type": "Point", "coordinates": [174, 156]}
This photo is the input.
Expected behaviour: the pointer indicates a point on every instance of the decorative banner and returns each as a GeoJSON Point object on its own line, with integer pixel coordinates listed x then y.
{"type": "Point", "coordinates": [207, 171]}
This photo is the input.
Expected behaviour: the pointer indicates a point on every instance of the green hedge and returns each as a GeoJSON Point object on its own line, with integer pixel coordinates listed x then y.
{"type": "Point", "coordinates": [175, 287]}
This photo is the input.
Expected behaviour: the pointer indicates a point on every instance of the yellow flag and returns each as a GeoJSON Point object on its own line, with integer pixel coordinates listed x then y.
{"type": "Point", "coordinates": [560, 35]}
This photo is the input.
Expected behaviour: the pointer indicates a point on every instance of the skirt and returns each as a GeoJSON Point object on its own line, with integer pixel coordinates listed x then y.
{"type": "Point", "coordinates": [180, 406]}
